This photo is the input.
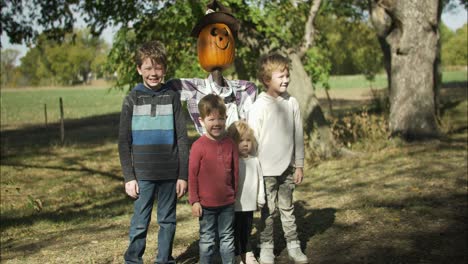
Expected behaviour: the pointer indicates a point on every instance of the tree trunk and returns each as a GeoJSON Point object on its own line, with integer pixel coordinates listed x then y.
{"type": "Point", "coordinates": [413, 38]}
{"type": "Point", "coordinates": [320, 141]}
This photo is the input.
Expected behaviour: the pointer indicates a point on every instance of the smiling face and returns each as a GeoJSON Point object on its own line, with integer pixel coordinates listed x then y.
{"type": "Point", "coordinates": [216, 47]}
{"type": "Point", "coordinates": [215, 125]}
{"type": "Point", "coordinates": [152, 73]}
{"type": "Point", "coordinates": [278, 84]}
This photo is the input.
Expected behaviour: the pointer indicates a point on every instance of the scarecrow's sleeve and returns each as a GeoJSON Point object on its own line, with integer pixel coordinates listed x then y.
{"type": "Point", "coordinates": [186, 87]}
{"type": "Point", "coordinates": [245, 97]}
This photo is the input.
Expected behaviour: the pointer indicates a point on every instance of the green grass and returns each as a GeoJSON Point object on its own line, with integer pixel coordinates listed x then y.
{"type": "Point", "coordinates": [26, 106]}
{"type": "Point", "coordinates": [380, 82]}
{"type": "Point", "coordinates": [21, 107]}
{"type": "Point", "coordinates": [357, 81]}
{"type": "Point", "coordinates": [454, 76]}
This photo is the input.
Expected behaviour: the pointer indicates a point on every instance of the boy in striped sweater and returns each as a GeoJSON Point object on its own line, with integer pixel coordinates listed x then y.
{"type": "Point", "coordinates": [153, 149]}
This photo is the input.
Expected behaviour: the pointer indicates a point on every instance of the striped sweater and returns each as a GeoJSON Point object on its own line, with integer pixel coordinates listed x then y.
{"type": "Point", "coordinates": [153, 142]}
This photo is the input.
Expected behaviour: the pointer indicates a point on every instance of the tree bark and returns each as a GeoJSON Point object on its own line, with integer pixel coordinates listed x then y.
{"type": "Point", "coordinates": [320, 140]}
{"type": "Point", "coordinates": [413, 37]}
{"type": "Point", "coordinates": [309, 31]}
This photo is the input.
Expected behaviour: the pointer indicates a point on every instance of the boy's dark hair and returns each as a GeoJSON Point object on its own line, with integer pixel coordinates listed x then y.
{"type": "Point", "coordinates": [210, 103]}
{"type": "Point", "coordinates": [269, 63]}
{"type": "Point", "coordinates": [154, 50]}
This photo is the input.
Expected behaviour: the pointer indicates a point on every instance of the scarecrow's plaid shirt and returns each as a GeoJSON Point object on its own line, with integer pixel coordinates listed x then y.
{"type": "Point", "coordinates": [238, 94]}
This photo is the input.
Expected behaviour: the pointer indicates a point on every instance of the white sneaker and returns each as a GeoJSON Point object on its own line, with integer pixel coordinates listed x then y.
{"type": "Point", "coordinates": [266, 254]}
{"type": "Point", "coordinates": [295, 253]}
{"type": "Point", "coordinates": [250, 258]}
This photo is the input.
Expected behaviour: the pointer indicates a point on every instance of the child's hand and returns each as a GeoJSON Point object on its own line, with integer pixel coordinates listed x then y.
{"type": "Point", "coordinates": [132, 189]}
{"type": "Point", "coordinates": [298, 176]}
{"type": "Point", "coordinates": [260, 206]}
{"type": "Point", "coordinates": [196, 209]}
{"type": "Point", "coordinates": [181, 188]}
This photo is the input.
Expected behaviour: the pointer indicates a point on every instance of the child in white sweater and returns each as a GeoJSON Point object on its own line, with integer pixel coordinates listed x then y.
{"type": "Point", "coordinates": [250, 194]}
{"type": "Point", "coordinates": [276, 120]}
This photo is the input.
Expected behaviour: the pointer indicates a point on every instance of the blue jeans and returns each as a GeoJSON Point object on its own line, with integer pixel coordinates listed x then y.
{"type": "Point", "coordinates": [217, 222]}
{"type": "Point", "coordinates": [166, 213]}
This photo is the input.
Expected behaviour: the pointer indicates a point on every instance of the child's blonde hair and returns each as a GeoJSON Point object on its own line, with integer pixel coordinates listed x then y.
{"type": "Point", "coordinates": [270, 63]}
{"type": "Point", "coordinates": [240, 129]}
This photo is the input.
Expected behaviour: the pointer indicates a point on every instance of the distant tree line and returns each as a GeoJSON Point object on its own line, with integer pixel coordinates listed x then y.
{"type": "Point", "coordinates": [454, 46]}
{"type": "Point", "coordinates": [76, 59]}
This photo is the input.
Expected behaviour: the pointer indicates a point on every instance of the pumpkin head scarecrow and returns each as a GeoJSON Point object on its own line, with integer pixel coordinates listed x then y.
{"type": "Point", "coordinates": [216, 33]}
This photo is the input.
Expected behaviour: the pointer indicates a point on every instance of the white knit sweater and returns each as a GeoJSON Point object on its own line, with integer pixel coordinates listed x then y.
{"type": "Point", "coordinates": [278, 129]}
{"type": "Point", "coordinates": [250, 192]}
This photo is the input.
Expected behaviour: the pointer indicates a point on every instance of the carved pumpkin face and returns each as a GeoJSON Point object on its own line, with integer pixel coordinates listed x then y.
{"type": "Point", "coordinates": [216, 47]}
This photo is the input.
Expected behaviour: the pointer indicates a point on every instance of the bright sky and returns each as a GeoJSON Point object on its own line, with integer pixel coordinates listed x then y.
{"type": "Point", "coordinates": [454, 20]}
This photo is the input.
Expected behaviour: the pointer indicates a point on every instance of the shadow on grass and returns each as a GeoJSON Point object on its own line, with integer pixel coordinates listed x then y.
{"type": "Point", "coordinates": [33, 246]}
{"type": "Point", "coordinates": [411, 207]}
{"type": "Point", "coordinates": [395, 243]}
{"type": "Point", "coordinates": [111, 204]}
{"type": "Point", "coordinates": [455, 84]}
{"type": "Point", "coordinates": [310, 222]}
{"type": "Point", "coordinates": [60, 168]}
{"type": "Point", "coordinates": [36, 140]}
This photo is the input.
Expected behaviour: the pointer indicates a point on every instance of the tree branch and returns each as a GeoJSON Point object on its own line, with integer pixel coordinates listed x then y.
{"type": "Point", "coordinates": [309, 32]}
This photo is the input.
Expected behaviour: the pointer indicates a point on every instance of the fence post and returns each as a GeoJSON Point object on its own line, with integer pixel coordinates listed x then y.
{"type": "Point", "coordinates": [62, 123]}
{"type": "Point", "coordinates": [45, 114]}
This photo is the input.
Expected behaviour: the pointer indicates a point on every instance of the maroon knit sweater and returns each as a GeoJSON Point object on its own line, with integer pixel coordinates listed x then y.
{"type": "Point", "coordinates": [213, 172]}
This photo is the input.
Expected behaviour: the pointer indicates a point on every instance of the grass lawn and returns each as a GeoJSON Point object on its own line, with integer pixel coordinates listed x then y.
{"type": "Point", "coordinates": [21, 107]}
{"type": "Point", "coordinates": [392, 202]}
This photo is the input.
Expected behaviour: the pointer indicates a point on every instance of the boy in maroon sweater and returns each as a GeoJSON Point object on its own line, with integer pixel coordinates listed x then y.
{"type": "Point", "coordinates": [213, 173]}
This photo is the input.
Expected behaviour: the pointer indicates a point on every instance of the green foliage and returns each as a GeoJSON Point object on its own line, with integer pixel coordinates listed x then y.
{"type": "Point", "coordinates": [270, 27]}
{"type": "Point", "coordinates": [454, 51]}
{"type": "Point", "coordinates": [64, 63]}
{"type": "Point", "coordinates": [8, 67]}
{"type": "Point", "coordinates": [33, 66]}
{"type": "Point", "coordinates": [158, 23]}
{"type": "Point", "coordinates": [352, 45]}
{"type": "Point", "coordinates": [265, 26]}
{"type": "Point", "coordinates": [445, 33]}
{"type": "Point", "coordinates": [284, 23]}
{"type": "Point", "coordinates": [318, 66]}
{"type": "Point", "coordinates": [120, 57]}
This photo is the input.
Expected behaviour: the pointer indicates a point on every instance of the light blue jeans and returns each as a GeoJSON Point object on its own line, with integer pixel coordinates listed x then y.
{"type": "Point", "coordinates": [217, 222]}
{"type": "Point", "coordinates": [165, 191]}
